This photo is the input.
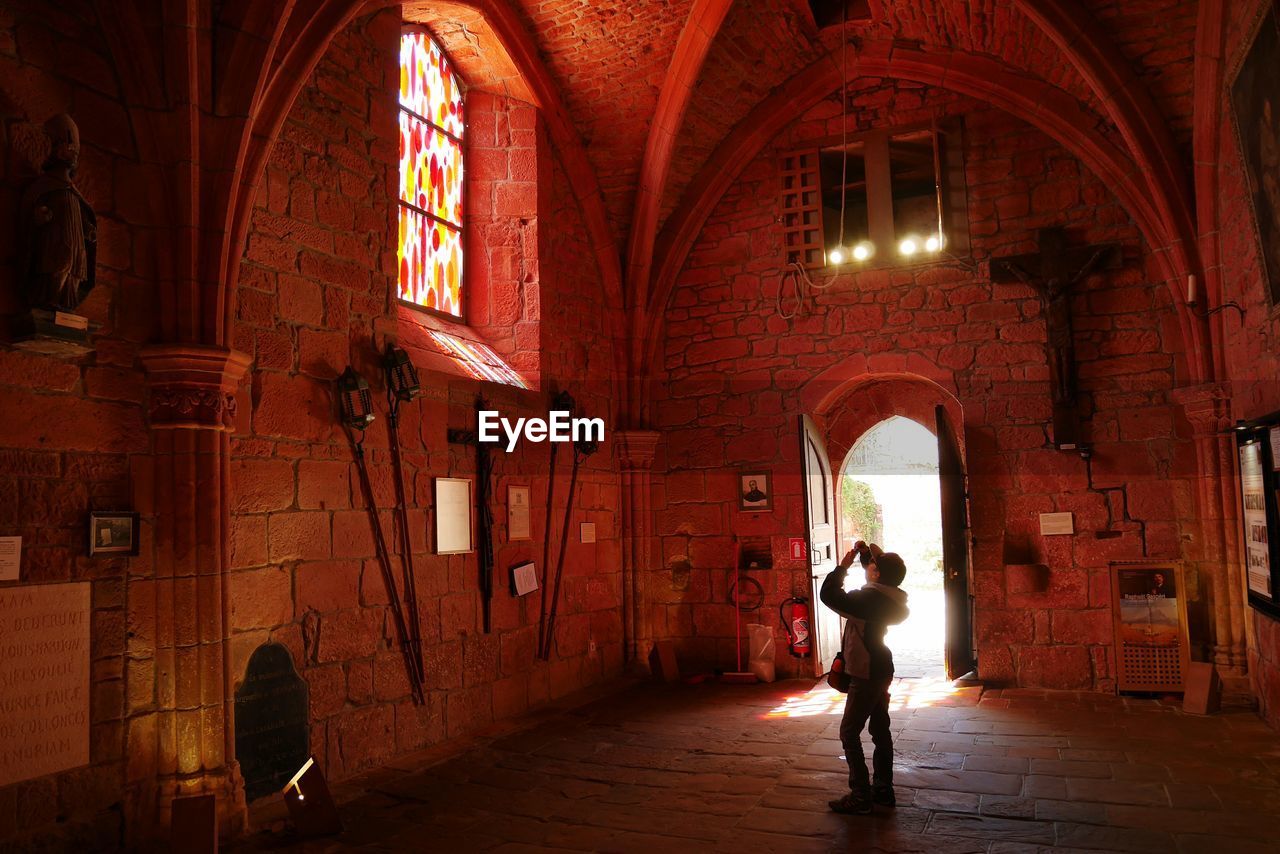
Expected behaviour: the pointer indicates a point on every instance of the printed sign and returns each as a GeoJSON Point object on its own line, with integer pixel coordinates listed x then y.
{"type": "Point", "coordinates": [1256, 536]}
{"type": "Point", "coordinates": [44, 680]}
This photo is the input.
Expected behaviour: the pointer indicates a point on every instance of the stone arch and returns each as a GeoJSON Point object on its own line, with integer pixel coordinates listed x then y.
{"type": "Point", "coordinates": [1039, 103]}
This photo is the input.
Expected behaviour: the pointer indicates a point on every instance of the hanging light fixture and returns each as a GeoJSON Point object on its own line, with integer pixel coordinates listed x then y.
{"type": "Point", "coordinates": [402, 376]}
{"type": "Point", "coordinates": [355, 400]}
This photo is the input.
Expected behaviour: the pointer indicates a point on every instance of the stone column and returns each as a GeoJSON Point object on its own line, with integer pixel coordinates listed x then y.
{"type": "Point", "coordinates": [635, 450]}
{"type": "Point", "coordinates": [1208, 409]}
{"type": "Point", "coordinates": [192, 411]}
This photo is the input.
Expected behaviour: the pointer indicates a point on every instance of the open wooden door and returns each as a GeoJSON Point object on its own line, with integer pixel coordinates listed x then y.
{"type": "Point", "coordinates": [820, 528]}
{"type": "Point", "coordinates": [955, 551]}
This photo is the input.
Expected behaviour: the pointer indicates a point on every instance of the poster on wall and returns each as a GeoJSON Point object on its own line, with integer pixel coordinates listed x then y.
{"type": "Point", "coordinates": [1256, 536]}
{"type": "Point", "coordinates": [1255, 103]}
{"type": "Point", "coordinates": [1149, 607]}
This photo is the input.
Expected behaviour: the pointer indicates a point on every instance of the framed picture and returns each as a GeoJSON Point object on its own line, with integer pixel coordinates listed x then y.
{"type": "Point", "coordinates": [1255, 113]}
{"type": "Point", "coordinates": [454, 529]}
{"type": "Point", "coordinates": [1150, 616]}
{"type": "Point", "coordinates": [113, 533]}
{"type": "Point", "coordinates": [518, 524]}
{"type": "Point", "coordinates": [755, 491]}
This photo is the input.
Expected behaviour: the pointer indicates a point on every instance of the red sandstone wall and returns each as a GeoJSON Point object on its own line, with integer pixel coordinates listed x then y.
{"type": "Point", "coordinates": [72, 432]}
{"type": "Point", "coordinates": [315, 294]}
{"type": "Point", "coordinates": [734, 372]}
{"type": "Point", "coordinates": [1252, 342]}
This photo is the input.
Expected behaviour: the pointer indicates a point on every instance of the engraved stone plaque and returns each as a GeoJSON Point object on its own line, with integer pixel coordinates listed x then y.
{"type": "Point", "coordinates": [44, 680]}
{"type": "Point", "coordinates": [272, 725]}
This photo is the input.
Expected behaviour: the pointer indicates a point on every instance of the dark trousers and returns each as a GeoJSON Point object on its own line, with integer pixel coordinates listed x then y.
{"type": "Point", "coordinates": [868, 701]}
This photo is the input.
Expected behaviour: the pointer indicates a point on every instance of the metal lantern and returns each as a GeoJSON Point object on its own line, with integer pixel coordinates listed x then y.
{"type": "Point", "coordinates": [402, 376]}
{"type": "Point", "coordinates": [355, 399]}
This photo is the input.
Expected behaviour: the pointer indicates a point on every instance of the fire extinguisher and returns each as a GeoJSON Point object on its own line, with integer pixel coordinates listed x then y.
{"type": "Point", "coordinates": [797, 628]}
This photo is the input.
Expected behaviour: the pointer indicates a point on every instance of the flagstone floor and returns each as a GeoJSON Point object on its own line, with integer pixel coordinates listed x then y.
{"type": "Point", "coordinates": [750, 768]}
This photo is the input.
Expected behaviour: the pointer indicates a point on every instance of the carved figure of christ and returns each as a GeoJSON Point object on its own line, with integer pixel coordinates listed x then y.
{"type": "Point", "coordinates": [1052, 273]}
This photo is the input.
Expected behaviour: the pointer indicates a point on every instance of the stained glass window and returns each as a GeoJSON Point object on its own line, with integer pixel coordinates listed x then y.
{"type": "Point", "coordinates": [430, 242]}
{"type": "Point", "coordinates": [478, 359]}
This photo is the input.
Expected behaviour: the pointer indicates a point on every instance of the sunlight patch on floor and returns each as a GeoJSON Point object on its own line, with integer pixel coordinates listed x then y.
{"type": "Point", "coordinates": [904, 695]}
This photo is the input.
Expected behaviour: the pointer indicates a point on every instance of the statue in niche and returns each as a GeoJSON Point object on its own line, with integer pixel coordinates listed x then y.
{"type": "Point", "coordinates": [59, 229]}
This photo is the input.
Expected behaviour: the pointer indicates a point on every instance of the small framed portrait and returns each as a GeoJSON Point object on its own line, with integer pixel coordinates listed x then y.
{"type": "Point", "coordinates": [113, 533]}
{"type": "Point", "coordinates": [755, 491]}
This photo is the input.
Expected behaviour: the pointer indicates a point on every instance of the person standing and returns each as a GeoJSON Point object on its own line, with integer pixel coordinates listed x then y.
{"type": "Point", "coordinates": [869, 611]}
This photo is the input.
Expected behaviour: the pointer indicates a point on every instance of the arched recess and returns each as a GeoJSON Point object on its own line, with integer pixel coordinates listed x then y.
{"type": "Point", "coordinates": [1037, 102]}
{"type": "Point", "coordinates": [883, 385]}
{"type": "Point", "coordinates": [872, 398]}
{"type": "Point", "coordinates": [211, 134]}
{"type": "Point", "coordinates": [1130, 106]}
{"type": "Point", "coordinates": [695, 41]}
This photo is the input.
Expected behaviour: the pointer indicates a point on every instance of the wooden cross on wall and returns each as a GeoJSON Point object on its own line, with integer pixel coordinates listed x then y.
{"type": "Point", "coordinates": [1052, 272]}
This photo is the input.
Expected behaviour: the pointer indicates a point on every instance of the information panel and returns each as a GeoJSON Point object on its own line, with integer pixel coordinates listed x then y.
{"type": "Point", "coordinates": [44, 680]}
{"type": "Point", "coordinates": [1253, 494]}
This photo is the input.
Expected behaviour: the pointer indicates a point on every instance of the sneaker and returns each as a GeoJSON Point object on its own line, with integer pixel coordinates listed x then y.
{"type": "Point", "coordinates": [883, 796]}
{"type": "Point", "coordinates": [851, 804]}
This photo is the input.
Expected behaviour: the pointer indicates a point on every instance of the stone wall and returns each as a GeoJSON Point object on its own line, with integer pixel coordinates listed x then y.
{"type": "Point", "coordinates": [737, 374]}
{"type": "Point", "coordinates": [73, 437]}
{"type": "Point", "coordinates": [316, 293]}
{"type": "Point", "coordinates": [1252, 341]}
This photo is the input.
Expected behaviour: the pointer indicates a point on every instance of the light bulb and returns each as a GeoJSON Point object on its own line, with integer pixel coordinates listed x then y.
{"type": "Point", "coordinates": [933, 244]}
{"type": "Point", "coordinates": [862, 251]}
{"type": "Point", "coordinates": [836, 256]}
{"type": "Point", "coordinates": [909, 246]}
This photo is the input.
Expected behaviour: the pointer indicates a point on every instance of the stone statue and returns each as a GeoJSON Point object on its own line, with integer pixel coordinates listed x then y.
{"type": "Point", "coordinates": [59, 231]}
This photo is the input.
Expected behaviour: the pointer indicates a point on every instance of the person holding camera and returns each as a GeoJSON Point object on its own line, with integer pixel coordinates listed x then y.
{"type": "Point", "coordinates": [869, 611]}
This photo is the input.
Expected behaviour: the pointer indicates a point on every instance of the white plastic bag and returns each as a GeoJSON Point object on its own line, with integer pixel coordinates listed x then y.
{"type": "Point", "coordinates": [762, 647]}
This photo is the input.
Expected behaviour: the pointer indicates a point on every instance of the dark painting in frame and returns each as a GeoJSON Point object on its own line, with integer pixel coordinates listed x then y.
{"type": "Point", "coordinates": [1255, 114]}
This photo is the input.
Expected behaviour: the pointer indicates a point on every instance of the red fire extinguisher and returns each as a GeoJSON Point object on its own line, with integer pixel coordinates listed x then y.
{"type": "Point", "coordinates": [797, 628]}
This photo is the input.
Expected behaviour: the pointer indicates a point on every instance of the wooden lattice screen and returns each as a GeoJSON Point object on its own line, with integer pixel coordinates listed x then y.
{"type": "Point", "coordinates": [801, 208]}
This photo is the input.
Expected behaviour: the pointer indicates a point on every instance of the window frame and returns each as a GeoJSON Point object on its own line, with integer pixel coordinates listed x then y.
{"type": "Point", "coordinates": [406, 29]}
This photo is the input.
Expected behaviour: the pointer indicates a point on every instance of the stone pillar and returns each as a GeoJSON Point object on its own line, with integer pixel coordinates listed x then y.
{"type": "Point", "coordinates": [1208, 409]}
{"type": "Point", "coordinates": [192, 411]}
{"type": "Point", "coordinates": [635, 451]}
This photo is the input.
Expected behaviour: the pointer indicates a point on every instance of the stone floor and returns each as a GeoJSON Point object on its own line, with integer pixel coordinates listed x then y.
{"type": "Point", "coordinates": [750, 768]}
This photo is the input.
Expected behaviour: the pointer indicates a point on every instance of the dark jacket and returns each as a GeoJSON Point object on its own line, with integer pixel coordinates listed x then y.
{"type": "Point", "coordinates": [869, 613]}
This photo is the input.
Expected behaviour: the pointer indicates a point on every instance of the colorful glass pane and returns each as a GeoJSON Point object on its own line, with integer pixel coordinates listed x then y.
{"type": "Point", "coordinates": [430, 169]}
{"type": "Point", "coordinates": [430, 257]}
{"type": "Point", "coordinates": [428, 85]}
{"type": "Point", "coordinates": [478, 359]}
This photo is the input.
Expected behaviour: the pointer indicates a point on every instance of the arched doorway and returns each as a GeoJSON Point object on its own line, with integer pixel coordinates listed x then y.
{"type": "Point", "coordinates": [848, 405]}
{"type": "Point", "coordinates": [888, 493]}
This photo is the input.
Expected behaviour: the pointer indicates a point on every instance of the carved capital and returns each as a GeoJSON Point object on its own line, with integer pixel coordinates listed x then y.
{"type": "Point", "coordinates": [635, 448]}
{"type": "Point", "coordinates": [192, 386]}
{"type": "Point", "coordinates": [1207, 406]}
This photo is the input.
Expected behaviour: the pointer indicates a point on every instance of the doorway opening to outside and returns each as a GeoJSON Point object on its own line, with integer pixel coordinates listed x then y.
{"type": "Point", "coordinates": [889, 494]}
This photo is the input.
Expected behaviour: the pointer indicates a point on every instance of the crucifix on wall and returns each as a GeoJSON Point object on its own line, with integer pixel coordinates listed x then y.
{"type": "Point", "coordinates": [1052, 272]}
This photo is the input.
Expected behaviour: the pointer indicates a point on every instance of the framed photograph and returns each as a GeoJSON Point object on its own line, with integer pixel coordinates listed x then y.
{"type": "Point", "coordinates": [113, 533]}
{"type": "Point", "coordinates": [1255, 114]}
{"type": "Point", "coordinates": [518, 524]}
{"type": "Point", "coordinates": [454, 528]}
{"type": "Point", "coordinates": [755, 491]}
{"type": "Point", "coordinates": [1150, 617]}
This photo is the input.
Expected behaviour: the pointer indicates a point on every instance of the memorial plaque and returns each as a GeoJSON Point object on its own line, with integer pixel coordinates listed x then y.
{"type": "Point", "coordinates": [272, 721]}
{"type": "Point", "coordinates": [44, 680]}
